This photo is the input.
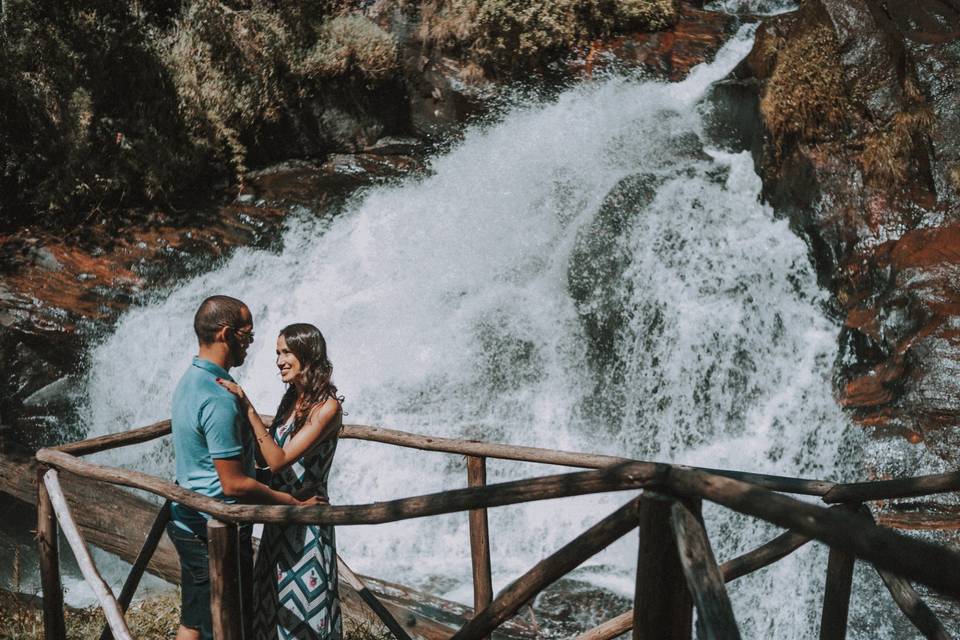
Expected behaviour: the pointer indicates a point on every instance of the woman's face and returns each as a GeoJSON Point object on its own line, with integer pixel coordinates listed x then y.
{"type": "Point", "coordinates": [288, 364]}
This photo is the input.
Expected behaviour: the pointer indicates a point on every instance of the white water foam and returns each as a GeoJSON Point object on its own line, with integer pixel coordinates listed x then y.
{"type": "Point", "coordinates": [580, 275]}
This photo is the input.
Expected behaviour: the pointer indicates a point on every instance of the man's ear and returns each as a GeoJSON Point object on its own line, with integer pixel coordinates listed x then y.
{"type": "Point", "coordinates": [222, 335]}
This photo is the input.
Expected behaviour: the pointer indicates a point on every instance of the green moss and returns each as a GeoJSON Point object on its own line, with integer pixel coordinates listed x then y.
{"type": "Point", "coordinates": [804, 99]}
{"type": "Point", "coordinates": [510, 36]}
{"type": "Point", "coordinates": [348, 45]}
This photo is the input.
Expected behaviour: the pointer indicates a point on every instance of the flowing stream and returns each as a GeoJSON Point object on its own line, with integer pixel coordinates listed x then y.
{"type": "Point", "coordinates": [587, 274]}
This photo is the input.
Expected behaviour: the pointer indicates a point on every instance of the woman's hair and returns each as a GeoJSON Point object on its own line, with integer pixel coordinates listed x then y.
{"type": "Point", "coordinates": [306, 342]}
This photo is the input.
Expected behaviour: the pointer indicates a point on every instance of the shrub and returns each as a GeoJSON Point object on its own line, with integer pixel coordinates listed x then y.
{"type": "Point", "coordinates": [510, 36]}
{"type": "Point", "coordinates": [229, 68]}
{"type": "Point", "coordinates": [88, 118]}
{"type": "Point", "coordinates": [887, 152]}
{"type": "Point", "coordinates": [349, 45]}
{"type": "Point", "coordinates": [805, 99]}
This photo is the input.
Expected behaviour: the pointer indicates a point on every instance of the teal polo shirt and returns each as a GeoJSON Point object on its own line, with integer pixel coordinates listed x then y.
{"type": "Point", "coordinates": [207, 426]}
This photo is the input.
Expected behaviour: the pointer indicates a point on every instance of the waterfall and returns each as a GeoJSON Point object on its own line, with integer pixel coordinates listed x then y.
{"type": "Point", "coordinates": [586, 273]}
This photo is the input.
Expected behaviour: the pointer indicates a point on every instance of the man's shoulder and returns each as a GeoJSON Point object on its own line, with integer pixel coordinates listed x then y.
{"type": "Point", "coordinates": [198, 393]}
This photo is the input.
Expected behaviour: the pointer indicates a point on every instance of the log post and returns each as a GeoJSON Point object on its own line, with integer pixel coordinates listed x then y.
{"type": "Point", "coordinates": [548, 571]}
{"type": "Point", "coordinates": [836, 595]}
{"type": "Point", "coordinates": [479, 539]}
{"type": "Point", "coordinates": [140, 564]}
{"type": "Point", "coordinates": [54, 626]}
{"type": "Point", "coordinates": [715, 619]}
{"type": "Point", "coordinates": [662, 607]}
{"type": "Point", "coordinates": [372, 601]}
{"type": "Point", "coordinates": [223, 544]}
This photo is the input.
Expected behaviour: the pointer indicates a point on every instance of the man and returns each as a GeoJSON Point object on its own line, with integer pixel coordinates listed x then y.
{"type": "Point", "coordinates": [214, 453]}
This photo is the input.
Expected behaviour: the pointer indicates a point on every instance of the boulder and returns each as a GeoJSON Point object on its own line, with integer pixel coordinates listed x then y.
{"type": "Point", "coordinates": [858, 143]}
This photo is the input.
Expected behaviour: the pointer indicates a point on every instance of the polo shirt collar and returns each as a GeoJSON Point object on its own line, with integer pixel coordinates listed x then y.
{"type": "Point", "coordinates": [215, 369]}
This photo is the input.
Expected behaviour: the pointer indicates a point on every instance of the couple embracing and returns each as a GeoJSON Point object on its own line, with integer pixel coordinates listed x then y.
{"type": "Point", "coordinates": [218, 437]}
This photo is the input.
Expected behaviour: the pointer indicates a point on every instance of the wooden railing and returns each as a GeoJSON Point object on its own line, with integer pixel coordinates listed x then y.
{"type": "Point", "coordinates": [676, 567]}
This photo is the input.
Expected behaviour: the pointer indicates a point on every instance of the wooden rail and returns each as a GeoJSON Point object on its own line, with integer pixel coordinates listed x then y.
{"type": "Point", "coordinates": [676, 568]}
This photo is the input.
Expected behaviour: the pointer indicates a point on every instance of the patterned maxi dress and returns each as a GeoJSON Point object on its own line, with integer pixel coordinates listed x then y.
{"type": "Point", "coordinates": [295, 578]}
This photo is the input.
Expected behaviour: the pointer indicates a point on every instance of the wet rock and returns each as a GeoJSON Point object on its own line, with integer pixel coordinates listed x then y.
{"type": "Point", "coordinates": [669, 54]}
{"type": "Point", "coordinates": [857, 143]}
{"type": "Point", "coordinates": [322, 185]}
{"type": "Point", "coordinates": [60, 291]}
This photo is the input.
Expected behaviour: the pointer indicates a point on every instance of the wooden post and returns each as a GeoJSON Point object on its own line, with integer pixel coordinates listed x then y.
{"type": "Point", "coordinates": [223, 544]}
{"type": "Point", "coordinates": [548, 571]}
{"type": "Point", "coordinates": [479, 539]}
{"type": "Point", "coordinates": [715, 619]}
{"type": "Point", "coordinates": [140, 564]}
{"type": "Point", "coordinates": [610, 629]}
{"type": "Point", "coordinates": [372, 601]}
{"type": "Point", "coordinates": [662, 607]}
{"type": "Point", "coordinates": [836, 595]}
{"type": "Point", "coordinates": [54, 627]}
{"type": "Point", "coordinates": [111, 610]}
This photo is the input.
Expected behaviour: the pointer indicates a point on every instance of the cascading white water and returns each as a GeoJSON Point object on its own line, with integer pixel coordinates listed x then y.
{"type": "Point", "coordinates": [580, 275]}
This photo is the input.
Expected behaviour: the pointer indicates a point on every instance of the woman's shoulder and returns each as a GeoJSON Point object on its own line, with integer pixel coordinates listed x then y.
{"type": "Point", "coordinates": [326, 408]}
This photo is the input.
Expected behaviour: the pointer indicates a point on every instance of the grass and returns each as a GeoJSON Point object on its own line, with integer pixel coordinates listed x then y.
{"type": "Point", "coordinates": [152, 618]}
{"type": "Point", "coordinates": [886, 153]}
{"type": "Point", "coordinates": [506, 37]}
{"type": "Point", "coordinates": [155, 617]}
{"type": "Point", "coordinates": [351, 45]}
{"type": "Point", "coordinates": [805, 99]}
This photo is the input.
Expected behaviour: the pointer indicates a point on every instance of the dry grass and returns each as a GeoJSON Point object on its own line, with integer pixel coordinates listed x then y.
{"type": "Point", "coordinates": [805, 99]}
{"type": "Point", "coordinates": [351, 44]}
{"type": "Point", "coordinates": [153, 618]}
{"type": "Point", "coordinates": [886, 153]}
{"type": "Point", "coordinates": [508, 36]}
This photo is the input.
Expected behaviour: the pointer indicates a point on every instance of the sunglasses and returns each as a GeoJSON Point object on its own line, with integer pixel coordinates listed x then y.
{"type": "Point", "coordinates": [246, 337]}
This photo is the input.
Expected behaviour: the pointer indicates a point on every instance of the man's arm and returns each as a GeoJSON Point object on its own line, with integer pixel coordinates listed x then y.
{"type": "Point", "coordinates": [236, 484]}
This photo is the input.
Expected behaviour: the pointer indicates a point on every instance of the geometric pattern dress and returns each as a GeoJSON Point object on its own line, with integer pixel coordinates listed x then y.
{"type": "Point", "coordinates": [295, 590]}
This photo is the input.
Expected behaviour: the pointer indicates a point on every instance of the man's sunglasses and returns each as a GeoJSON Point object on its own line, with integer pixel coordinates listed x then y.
{"type": "Point", "coordinates": [246, 337]}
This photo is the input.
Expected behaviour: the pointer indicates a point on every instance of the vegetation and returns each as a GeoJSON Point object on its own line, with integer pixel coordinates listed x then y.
{"type": "Point", "coordinates": [351, 46]}
{"type": "Point", "coordinates": [152, 618]}
{"type": "Point", "coordinates": [887, 152]}
{"type": "Point", "coordinates": [507, 37]}
{"type": "Point", "coordinates": [805, 99]}
{"type": "Point", "coordinates": [107, 106]}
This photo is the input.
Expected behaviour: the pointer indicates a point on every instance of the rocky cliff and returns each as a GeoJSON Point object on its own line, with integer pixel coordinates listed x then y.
{"type": "Point", "coordinates": [858, 106]}
{"type": "Point", "coordinates": [131, 135]}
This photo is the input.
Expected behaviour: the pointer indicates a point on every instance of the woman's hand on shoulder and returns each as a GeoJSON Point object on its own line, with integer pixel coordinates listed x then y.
{"type": "Point", "coordinates": [235, 389]}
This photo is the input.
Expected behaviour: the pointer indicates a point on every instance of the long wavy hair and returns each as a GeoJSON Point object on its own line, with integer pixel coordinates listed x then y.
{"type": "Point", "coordinates": [307, 343]}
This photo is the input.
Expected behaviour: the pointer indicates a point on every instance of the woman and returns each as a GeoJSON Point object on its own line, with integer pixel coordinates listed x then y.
{"type": "Point", "coordinates": [295, 577]}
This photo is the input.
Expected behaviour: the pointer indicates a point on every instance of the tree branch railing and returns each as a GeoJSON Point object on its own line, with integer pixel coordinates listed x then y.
{"type": "Point", "coordinates": [674, 550]}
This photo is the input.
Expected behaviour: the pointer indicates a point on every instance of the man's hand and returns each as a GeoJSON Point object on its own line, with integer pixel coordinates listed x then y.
{"type": "Point", "coordinates": [313, 501]}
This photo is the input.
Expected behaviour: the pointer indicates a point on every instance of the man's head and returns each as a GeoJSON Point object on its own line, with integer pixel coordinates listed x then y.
{"type": "Point", "coordinates": [226, 321]}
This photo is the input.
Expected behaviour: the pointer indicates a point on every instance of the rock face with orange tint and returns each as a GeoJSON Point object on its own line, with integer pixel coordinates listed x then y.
{"type": "Point", "coordinates": [60, 291]}
{"type": "Point", "coordinates": [859, 144]}
{"type": "Point", "coordinates": [669, 54]}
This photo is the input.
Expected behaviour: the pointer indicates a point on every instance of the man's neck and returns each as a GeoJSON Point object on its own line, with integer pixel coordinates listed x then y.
{"type": "Point", "coordinates": [217, 353]}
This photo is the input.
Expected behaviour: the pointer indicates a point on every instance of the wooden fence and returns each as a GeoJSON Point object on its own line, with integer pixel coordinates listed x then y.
{"type": "Point", "coordinates": [676, 567]}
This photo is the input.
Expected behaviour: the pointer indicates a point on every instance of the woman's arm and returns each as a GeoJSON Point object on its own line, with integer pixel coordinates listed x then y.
{"type": "Point", "coordinates": [236, 484]}
{"type": "Point", "coordinates": [322, 423]}
{"type": "Point", "coordinates": [269, 449]}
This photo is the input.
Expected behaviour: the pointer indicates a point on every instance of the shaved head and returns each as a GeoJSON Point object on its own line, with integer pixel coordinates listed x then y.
{"type": "Point", "coordinates": [217, 312]}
